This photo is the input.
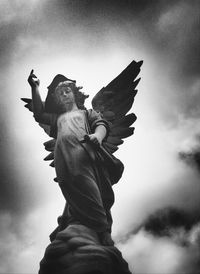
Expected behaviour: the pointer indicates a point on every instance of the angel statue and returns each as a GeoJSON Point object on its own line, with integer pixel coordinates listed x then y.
{"type": "Point", "coordinates": [82, 146]}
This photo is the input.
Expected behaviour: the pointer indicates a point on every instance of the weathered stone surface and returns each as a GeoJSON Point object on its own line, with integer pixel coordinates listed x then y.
{"type": "Point", "coordinates": [77, 250]}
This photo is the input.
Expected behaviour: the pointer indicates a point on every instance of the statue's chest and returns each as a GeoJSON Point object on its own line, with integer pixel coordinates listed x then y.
{"type": "Point", "coordinates": [72, 123]}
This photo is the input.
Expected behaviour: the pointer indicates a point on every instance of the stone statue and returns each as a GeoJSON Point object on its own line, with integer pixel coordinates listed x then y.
{"type": "Point", "coordinates": [82, 146]}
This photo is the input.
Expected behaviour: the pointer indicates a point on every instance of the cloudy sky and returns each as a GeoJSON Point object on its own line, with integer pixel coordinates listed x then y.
{"type": "Point", "coordinates": [157, 209]}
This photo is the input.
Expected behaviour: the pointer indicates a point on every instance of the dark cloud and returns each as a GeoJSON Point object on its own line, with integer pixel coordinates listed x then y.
{"type": "Point", "coordinates": [183, 229]}
{"type": "Point", "coordinates": [192, 157]}
{"type": "Point", "coordinates": [115, 8]}
{"type": "Point", "coordinates": [170, 27]}
{"type": "Point", "coordinates": [171, 238]}
{"type": "Point", "coordinates": [9, 178]}
{"type": "Point", "coordinates": [16, 197]}
{"type": "Point", "coordinates": [164, 221]}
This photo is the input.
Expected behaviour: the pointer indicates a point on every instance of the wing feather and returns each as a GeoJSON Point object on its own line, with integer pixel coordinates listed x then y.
{"type": "Point", "coordinates": [49, 157]}
{"type": "Point", "coordinates": [52, 164]}
{"type": "Point", "coordinates": [125, 121]}
{"type": "Point", "coordinates": [115, 140]}
{"type": "Point", "coordinates": [49, 145]}
{"type": "Point", "coordinates": [122, 132]}
{"type": "Point", "coordinates": [110, 147]}
{"type": "Point", "coordinates": [28, 104]}
{"type": "Point", "coordinates": [123, 106]}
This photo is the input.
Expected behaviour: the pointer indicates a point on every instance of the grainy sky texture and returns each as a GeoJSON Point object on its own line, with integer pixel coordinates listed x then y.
{"type": "Point", "coordinates": [157, 209]}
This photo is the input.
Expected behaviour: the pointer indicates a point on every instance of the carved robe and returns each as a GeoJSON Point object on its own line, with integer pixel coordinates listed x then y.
{"type": "Point", "coordinates": [84, 183]}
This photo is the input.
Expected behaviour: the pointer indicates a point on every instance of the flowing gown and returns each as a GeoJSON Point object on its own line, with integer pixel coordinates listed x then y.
{"type": "Point", "coordinates": [81, 176]}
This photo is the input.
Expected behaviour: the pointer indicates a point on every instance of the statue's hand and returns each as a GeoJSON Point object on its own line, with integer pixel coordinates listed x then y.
{"type": "Point", "coordinates": [33, 80]}
{"type": "Point", "coordinates": [95, 139]}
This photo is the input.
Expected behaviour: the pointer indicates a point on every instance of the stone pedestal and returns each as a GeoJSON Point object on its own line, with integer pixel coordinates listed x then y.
{"type": "Point", "coordinates": [77, 250]}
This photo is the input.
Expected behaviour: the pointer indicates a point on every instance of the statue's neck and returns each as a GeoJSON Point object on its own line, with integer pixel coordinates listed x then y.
{"type": "Point", "coordinates": [70, 107]}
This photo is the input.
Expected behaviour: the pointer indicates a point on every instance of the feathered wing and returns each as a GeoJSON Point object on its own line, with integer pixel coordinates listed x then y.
{"type": "Point", "coordinates": [114, 101]}
{"type": "Point", "coordinates": [49, 145]}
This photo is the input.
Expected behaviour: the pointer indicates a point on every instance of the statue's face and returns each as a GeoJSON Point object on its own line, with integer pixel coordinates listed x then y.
{"type": "Point", "coordinates": [65, 97]}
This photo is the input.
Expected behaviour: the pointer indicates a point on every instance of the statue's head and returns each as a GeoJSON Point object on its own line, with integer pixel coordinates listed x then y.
{"type": "Point", "coordinates": [62, 92]}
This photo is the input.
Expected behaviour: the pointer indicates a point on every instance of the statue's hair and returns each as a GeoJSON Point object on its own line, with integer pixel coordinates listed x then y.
{"type": "Point", "coordinates": [79, 96]}
{"type": "Point", "coordinates": [61, 80]}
